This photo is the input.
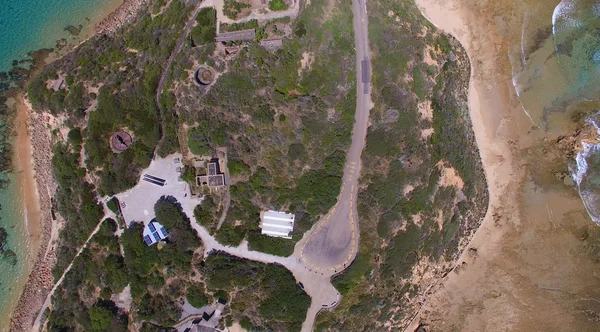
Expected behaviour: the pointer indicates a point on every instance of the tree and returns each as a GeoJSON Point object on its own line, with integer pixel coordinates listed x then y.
{"type": "Point", "coordinates": [196, 297]}
{"type": "Point", "coordinates": [100, 318]}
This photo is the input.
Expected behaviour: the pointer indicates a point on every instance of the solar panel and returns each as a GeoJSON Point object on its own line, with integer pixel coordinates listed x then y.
{"type": "Point", "coordinates": [156, 236]}
{"type": "Point", "coordinates": [152, 228]}
{"type": "Point", "coordinates": [154, 178]}
{"type": "Point", "coordinates": [164, 232]}
{"type": "Point", "coordinates": [154, 182]}
{"type": "Point", "coordinates": [148, 240]}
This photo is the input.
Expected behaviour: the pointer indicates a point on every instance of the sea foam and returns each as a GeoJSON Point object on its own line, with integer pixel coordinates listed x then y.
{"type": "Point", "coordinates": [586, 173]}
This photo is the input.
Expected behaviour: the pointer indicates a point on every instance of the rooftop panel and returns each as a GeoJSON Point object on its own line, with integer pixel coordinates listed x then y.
{"type": "Point", "coordinates": [148, 241]}
{"type": "Point", "coordinates": [156, 236]}
{"type": "Point", "coordinates": [274, 231]}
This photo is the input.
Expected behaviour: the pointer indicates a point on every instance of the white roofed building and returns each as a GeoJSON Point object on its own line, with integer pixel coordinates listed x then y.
{"type": "Point", "coordinates": [154, 232]}
{"type": "Point", "coordinates": [277, 223]}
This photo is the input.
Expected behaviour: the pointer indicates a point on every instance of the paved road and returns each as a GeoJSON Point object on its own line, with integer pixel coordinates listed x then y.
{"type": "Point", "coordinates": [332, 244]}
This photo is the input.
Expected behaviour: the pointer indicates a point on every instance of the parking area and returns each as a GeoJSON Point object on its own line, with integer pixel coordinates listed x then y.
{"type": "Point", "coordinates": [161, 178]}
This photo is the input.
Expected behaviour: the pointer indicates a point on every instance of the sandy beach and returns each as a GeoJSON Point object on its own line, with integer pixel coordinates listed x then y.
{"type": "Point", "coordinates": [33, 156]}
{"type": "Point", "coordinates": [530, 266]}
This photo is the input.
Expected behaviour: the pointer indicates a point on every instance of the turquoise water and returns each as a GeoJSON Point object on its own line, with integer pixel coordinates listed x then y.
{"type": "Point", "coordinates": [27, 25]}
{"type": "Point", "coordinates": [34, 24]}
{"type": "Point", "coordinates": [12, 219]}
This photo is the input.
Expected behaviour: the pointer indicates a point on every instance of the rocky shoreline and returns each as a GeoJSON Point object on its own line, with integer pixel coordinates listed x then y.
{"type": "Point", "coordinates": [125, 13]}
{"type": "Point", "coordinates": [40, 280]}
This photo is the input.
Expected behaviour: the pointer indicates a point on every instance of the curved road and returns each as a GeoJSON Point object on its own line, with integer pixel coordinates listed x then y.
{"type": "Point", "coordinates": [332, 244]}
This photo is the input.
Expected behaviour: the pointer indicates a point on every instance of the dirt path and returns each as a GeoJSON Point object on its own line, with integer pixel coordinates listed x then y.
{"type": "Point", "coordinates": [165, 74]}
{"type": "Point", "coordinates": [37, 325]}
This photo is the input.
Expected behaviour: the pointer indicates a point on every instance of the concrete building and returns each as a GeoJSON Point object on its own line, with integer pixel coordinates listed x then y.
{"type": "Point", "coordinates": [277, 223]}
{"type": "Point", "coordinates": [154, 232]}
{"type": "Point", "coordinates": [224, 37]}
{"type": "Point", "coordinates": [214, 179]}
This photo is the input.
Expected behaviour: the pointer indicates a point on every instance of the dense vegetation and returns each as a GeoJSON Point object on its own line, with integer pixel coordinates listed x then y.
{"type": "Point", "coordinates": [84, 298]}
{"type": "Point", "coordinates": [75, 201]}
{"type": "Point", "coordinates": [156, 278]}
{"type": "Point", "coordinates": [117, 79]}
{"type": "Point", "coordinates": [410, 214]}
{"type": "Point", "coordinates": [110, 86]}
{"type": "Point", "coordinates": [205, 30]}
{"type": "Point", "coordinates": [264, 296]}
{"type": "Point", "coordinates": [286, 126]}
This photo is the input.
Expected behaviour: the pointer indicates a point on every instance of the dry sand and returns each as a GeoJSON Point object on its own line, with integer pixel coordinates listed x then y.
{"type": "Point", "coordinates": [35, 159]}
{"type": "Point", "coordinates": [533, 264]}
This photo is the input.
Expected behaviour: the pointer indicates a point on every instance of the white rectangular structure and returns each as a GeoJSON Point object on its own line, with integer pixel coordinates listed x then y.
{"type": "Point", "coordinates": [277, 223]}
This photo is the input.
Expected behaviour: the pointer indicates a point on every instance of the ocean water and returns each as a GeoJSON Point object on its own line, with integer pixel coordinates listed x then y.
{"type": "Point", "coordinates": [556, 73]}
{"type": "Point", "coordinates": [34, 24]}
{"type": "Point", "coordinates": [13, 276]}
{"type": "Point", "coordinates": [27, 25]}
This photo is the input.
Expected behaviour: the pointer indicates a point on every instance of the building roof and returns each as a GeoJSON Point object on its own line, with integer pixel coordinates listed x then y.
{"type": "Point", "coordinates": [277, 223]}
{"type": "Point", "coordinates": [154, 232]}
{"type": "Point", "coordinates": [214, 178]}
{"type": "Point", "coordinates": [213, 168]}
{"type": "Point", "coordinates": [248, 34]}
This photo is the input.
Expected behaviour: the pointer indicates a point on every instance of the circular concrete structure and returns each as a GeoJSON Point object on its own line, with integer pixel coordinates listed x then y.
{"type": "Point", "coordinates": [204, 75]}
{"type": "Point", "coordinates": [120, 141]}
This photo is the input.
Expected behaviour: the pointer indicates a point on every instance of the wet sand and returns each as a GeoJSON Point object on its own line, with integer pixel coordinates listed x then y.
{"type": "Point", "coordinates": [533, 264]}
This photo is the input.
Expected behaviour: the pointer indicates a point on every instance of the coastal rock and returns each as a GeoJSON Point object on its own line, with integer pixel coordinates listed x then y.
{"type": "Point", "coordinates": [124, 14]}
{"type": "Point", "coordinates": [40, 280]}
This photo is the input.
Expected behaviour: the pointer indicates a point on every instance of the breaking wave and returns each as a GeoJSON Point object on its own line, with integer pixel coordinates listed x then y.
{"type": "Point", "coordinates": [586, 174]}
{"type": "Point", "coordinates": [554, 69]}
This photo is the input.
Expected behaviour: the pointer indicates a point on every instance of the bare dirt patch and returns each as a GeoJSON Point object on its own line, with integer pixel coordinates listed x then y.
{"type": "Point", "coordinates": [306, 62]}
{"type": "Point", "coordinates": [426, 133]}
{"type": "Point", "coordinates": [425, 110]}
{"type": "Point", "coordinates": [450, 177]}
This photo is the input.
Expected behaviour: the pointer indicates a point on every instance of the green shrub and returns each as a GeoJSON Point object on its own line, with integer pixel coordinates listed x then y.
{"type": "Point", "coordinates": [100, 317]}
{"type": "Point", "coordinates": [113, 205]}
{"type": "Point", "coordinates": [237, 167]}
{"type": "Point", "coordinates": [278, 5]}
{"type": "Point", "coordinates": [205, 30]}
{"type": "Point", "coordinates": [196, 297]}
